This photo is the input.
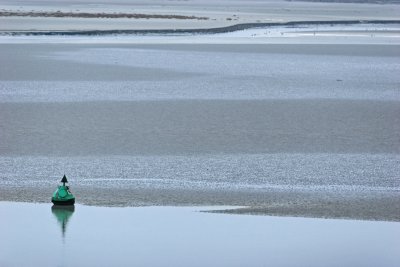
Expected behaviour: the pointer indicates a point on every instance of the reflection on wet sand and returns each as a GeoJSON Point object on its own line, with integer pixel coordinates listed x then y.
{"type": "Point", "coordinates": [63, 214]}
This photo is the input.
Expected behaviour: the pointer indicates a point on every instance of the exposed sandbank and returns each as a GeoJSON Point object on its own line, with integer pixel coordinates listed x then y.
{"type": "Point", "coordinates": [160, 14]}
{"type": "Point", "coordinates": [346, 205]}
{"type": "Point", "coordinates": [227, 29]}
{"type": "Point", "coordinates": [60, 14]}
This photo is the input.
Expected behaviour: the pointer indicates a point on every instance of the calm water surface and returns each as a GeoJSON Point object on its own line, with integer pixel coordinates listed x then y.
{"type": "Point", "coordinates": [168, 236]}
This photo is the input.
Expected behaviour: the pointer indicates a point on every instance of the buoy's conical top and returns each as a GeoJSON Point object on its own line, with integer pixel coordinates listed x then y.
{"type": "Point", "coordinates": [64, 180]}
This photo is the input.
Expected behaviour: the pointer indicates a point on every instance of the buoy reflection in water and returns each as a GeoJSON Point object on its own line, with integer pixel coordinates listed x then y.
{"type": "Point", "coordinates": [63, 214]}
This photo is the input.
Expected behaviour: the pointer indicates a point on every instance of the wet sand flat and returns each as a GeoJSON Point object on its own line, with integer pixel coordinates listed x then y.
{"type": "Point", "coordinates": [199, 127]}
{"type": "Point", "coordinates": [134, 72]}
{"type": "Point", "coordinates": [352, 175]}
{"type": "Point", "coordinates": [282, 129]}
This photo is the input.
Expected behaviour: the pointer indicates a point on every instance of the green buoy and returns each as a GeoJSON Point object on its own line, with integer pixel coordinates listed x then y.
{"type": "Point", "coordinates": [63, 196]}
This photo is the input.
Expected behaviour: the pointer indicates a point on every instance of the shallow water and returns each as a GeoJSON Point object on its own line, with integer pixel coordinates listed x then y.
{"type": "Point", "coordinates": [315, 126]}
{"type": "Point", "coordinates": [117, 72]}
{"type": "Point", "coordinates": [165, 236]}
{"type": "Point", "coordinates": [314, 172]}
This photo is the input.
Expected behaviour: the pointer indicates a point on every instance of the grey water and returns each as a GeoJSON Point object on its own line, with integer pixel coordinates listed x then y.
{"type": "Point", "coordinates": [118, 72]}
{"type": "Point", "coordinates": [181, 236]}
{"type": "Point", "coordinates": [310, 125]}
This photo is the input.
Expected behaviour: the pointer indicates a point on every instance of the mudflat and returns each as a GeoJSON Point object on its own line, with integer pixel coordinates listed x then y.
{"type": "Point", "coordinates": [282, 129]}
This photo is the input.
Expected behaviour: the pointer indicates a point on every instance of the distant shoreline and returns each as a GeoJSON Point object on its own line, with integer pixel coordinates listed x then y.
{"type": "Point", "coordinates": [226, 29]}
{"type": "Point", "coordinates": [59, 14]}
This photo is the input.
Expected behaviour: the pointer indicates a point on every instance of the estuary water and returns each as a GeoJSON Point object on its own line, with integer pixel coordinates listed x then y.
{"type": "Point", "coordinates": [182, 236]}
{"type": "Point", "coordinates": [294, 129]}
